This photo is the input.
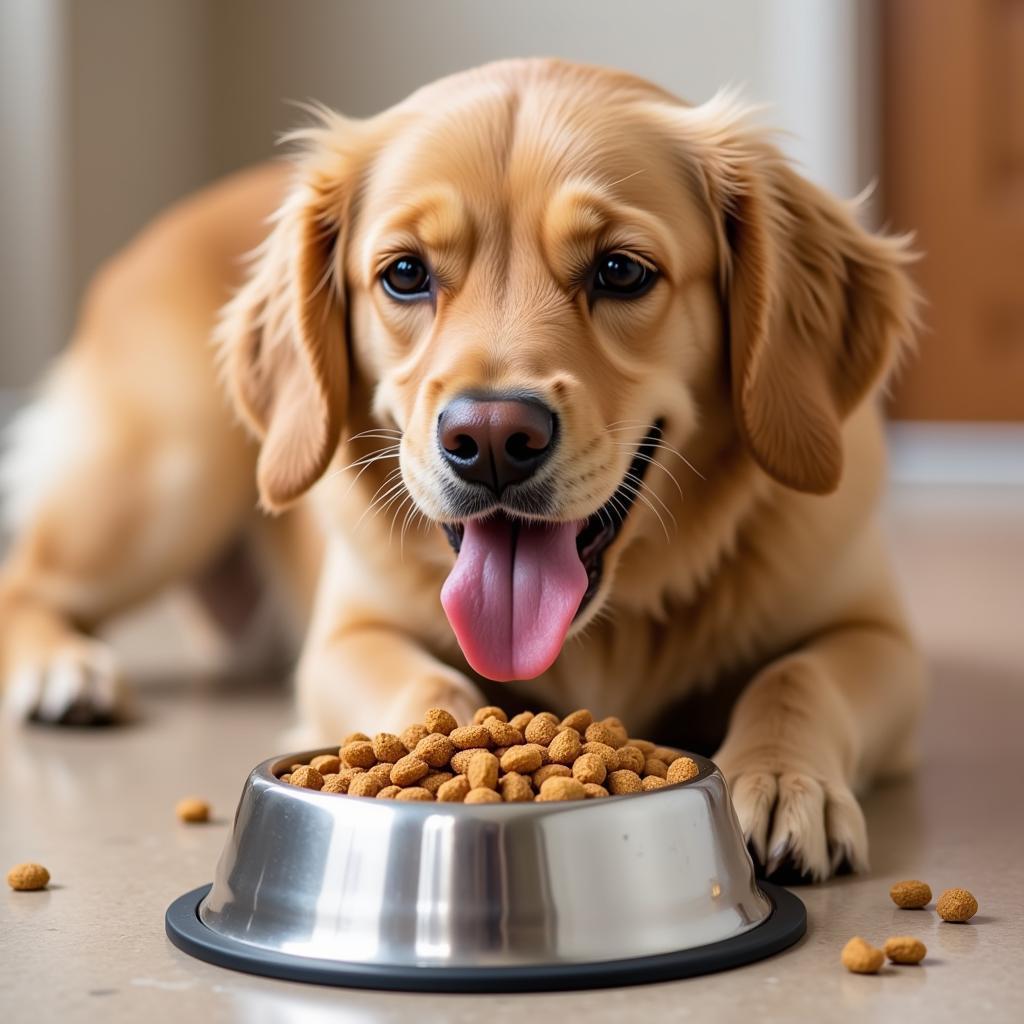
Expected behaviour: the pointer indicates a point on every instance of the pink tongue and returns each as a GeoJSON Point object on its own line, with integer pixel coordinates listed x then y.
{"type": "Point", "coordinates": [512, 595]}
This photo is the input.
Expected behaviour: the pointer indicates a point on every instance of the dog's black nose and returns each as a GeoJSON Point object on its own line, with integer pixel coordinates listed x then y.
{"type": "Point", "coordinates": [496, 441]}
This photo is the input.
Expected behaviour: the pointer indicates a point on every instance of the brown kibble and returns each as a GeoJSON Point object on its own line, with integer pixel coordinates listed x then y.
{"type": "Point", "coordinates": [515, 788]}
{"type": "Point", "coordinates": [28, 877]}
{"type": "Point", "coordinates": [483, 770]}
{"type": "Point", "coordinates": [521, 721]}
{"type": "Point", "coordinates": [353, 737]}
{"type": "Point", "coordinates": [193, 809]}
{"type": "Point", "coordinates": [502, 734]}
{"type": "Point", "coordinates": [650, 782]}
{"type": "Point", "coordinates": [624, 781]}
{"type": "Point", "coordinates": [417, 793]}
{"type": "Point", "coordinates": [560, 787]}
{"type": "Point", "coordinates": [469, 737]}
{"type": "Point", "coordinates": [565, 748]}
{"type": "Point", "coordinates": [682, 769]}
{"type": "Point", "coordinates": [550, 771]}
{"type": "Point", "coordinates": [482, 795]}
{"type": "Point", "coordinates": [439, 720]}
{"type": "Point", "coordinates": [593, 791]}
{"type": "Point", "coordinates": [500, 752]}
{"type": "Point", "coordinates": [905, 949]}
{"type": "Point", "coordinates": [523, 759]}
{"type": "Point", "coordinates": [630, 758]}
{"type": "Point", "coordinates": [307, 778]}
{"type": "Point", "coordinates": [607, 754]}
{"type": "Point", "coordinates": [598, 732]}
{"type": "Point", "coordinates": [435, 780]}
{"type": "Point", "coordinates": [541, 730]}
{"type": "Point", "coordinates": [861, 957]}
{"type": "Point", "coordinates": [389, 792]}
{"type": "Point", "coordinates": [646, 747]}
{"type": "Point", "coordinates": [578, 720]}
{"type": "Point", "coordinates": [666, 754]}
{"type": "Point", "coordinates": [911, 895]}
{"type": "Point", "coordinates": [409, 769]}
{"type": "Point", "coordinates": [454, 790]}
{"type": "Point", "coordinates": [326, 764]}
{"type": "Point", "coordinates": [358, 754]}
{"type": "Point", "coordinates": [482, 714]}
{"type": "Point", "coordinates": [435, 749]}
{"type": "Point", "coordinates": [387, 747]}
{"type": "Point", "coordinates": [542, 750]}
{"type": "Point", "coordinates": [652, 766]}
{"type": "Point", "coordinates": [589, 768]}
{"type": "Point", "coordinates": [381, 772]}
{"type": "Point", "coordinates": [411, 736]}
{"type": "Point", "coordinates": [340, 782]}
{"type": "Point", "coordinates": [618, 731]}
{"type": "Point", "coordinates": [296, 766]}
{"type": "Point", "coordinates": [287, 777]}
{"type": "Point", "coordinates": [364, 785]}
{"type": "Point", "coordinates": [460, 761]}
{"type": "Point", "coordinates": [956, 906]}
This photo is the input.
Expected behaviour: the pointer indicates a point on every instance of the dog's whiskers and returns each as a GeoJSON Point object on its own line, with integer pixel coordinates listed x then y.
{"type": "Point", "coordinates": [654, 462]}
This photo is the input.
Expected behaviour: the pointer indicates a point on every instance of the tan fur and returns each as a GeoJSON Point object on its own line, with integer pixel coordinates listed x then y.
{"type": "Point", "coordinates": [753, 557]}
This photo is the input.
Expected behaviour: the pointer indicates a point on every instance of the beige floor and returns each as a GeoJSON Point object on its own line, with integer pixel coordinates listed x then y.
{"type": "Point", "coordinates": [97, 809]}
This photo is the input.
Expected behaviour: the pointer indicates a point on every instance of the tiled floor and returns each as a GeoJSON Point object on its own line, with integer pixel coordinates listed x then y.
{"type": "Point", "coordinates": [97, 809]}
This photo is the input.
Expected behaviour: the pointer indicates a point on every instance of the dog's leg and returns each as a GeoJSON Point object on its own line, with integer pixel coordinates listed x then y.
{"type": "Point", "coordinates": [814, 727]}
{"type": "Point", "coordinates": [113, 491]}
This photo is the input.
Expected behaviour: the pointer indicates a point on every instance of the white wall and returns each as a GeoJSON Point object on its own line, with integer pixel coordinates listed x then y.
{"type": "Point", "coordinates": [115, 107]}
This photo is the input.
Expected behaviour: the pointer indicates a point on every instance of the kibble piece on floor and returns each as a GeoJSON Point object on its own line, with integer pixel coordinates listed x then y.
{"type": "Point", "coordinates": [483, 770]}
{"type": "Point", "coordinates": [682, 769]}
{"type": "Point", "coordinates": [861, 957]}
{"type": "Point", "coordinates": [28, 877]}
{"type": "Point", "coordinates": [307, 778]}
{"type": "Point", "coordinates": [439, 720]}
{"type": "Point", "coordinates": [956, 906]}
{"type": "Point", "coordinates": [905, 949]}
{"type": "Point", "coordinates": [192, 809]}
{"type": "Point", "coordinates": [911, 894]}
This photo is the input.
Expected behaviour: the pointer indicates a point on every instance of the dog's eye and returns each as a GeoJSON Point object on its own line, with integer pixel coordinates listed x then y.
{"type": "Point", "coordinates": [406, 278]}
{"type": "Point", "coordinates": [621, 276]}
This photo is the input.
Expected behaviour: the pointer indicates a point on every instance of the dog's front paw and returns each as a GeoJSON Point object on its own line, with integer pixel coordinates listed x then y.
{"type": "Point", "coordinates": [78, 682]}
{"type": "Point", "coordinates": [797, 823]}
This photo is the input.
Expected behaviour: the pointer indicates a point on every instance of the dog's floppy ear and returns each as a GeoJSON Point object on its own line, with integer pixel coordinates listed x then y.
{"type": "Point", "coordinates": [818, 308]}
{"type": "Point", "coordinates": [283, 336]}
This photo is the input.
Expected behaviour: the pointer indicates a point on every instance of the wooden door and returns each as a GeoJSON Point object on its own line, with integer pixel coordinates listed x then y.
{"type": "Point", "coordinates": [953, 117]}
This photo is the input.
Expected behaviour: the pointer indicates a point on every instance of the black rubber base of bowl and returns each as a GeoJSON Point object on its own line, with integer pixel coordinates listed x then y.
{"type": "Point", "coordinates": [784, 926]}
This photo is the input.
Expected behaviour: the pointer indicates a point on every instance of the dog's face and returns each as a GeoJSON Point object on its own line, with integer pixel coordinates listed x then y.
{"type": "Point", "coordinates": [552, 277]}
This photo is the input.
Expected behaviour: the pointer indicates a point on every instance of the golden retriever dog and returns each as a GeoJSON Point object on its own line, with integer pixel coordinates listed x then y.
{"type": "Point", "coordinates": [559, 391]}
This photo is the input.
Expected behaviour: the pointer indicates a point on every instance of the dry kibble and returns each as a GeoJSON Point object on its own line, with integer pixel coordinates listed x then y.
{"type": "Point", "coordinates": [607, 754]}
{"type": "Point", "coordinates": [541, 730]}
{"type": "Point", "coordinates": [589, 768]}
{"type": "Point", "coordinates": [565, 748]}
{"type": "Point", "coordinates": [617, 730]}
{"type": "Point", "coordinates": [483, 770]}
{"type": "Point", "coordinates": [666, 754]}
{"type": "Point", "coordinates": [515, 788]}
{"type": "Point", "coordinates": [408, 770]}
{"type": "Point", "coordinates": [905, 949]}
{"type": "Point", "coordinates": [439, 720]}
{"type": "Point", "coordinates": [630, 758]}
{"type": "Point", "coordinates": [521, 759]}
{"type": "Point", "coordinates": [560, 787]}
{"type": "Point", "coordinates": [287, 777]}
{"type": "Point", "coordinates": [28, 877]}
{"type": "Point", "coordinates": [542, 750]}
{"type": "Point", "coordinates": [521, 721]}
{"type": "Point", "coordinates": [454, 790]}
{"type": "Point", "coordinates": [307, 778]}
{"type": "Point", "coordinates": [358, 754]}
{"type": "Point", "coordinates": [353, 737]}
{"type": "Point", "coordinates": [193, 809]}
{"type": "Point", "coordinates": [624, 781]}
{"type": "Point", "coordinates": [435, 780]}
{"type": "Point", "coordinates": [911, 895]}
{"type": "Point", "coordinates": [364, 785]}
{"type": "Point", "coordinates": [592, 790]}
{"type": "Point", "coordinates": [861, 957]}
{"type": "Point", "coordinates": [550, 771]}
{"type": "Point", "coordinates": [652, 766]}
{"type": "Point", "coordinates": [482, 795]}
{"type": "Point", "coordinates": [468, 737]}
{"type": "Point", "coordinates": [650, 782]}
{"type": "Point", "coordinates": [411, 736]}
{"type": "Point", "coordinates": [460, 761]}
{"type": "Point", "coordinates": [646, 747]}
{"type": "Point", "coordinates": [326, 764]}
{"type": "Point", "coordinates": [490, 711]}
{"type": "Point", "coordinates": [956, 905]}
{"type": "Point", "coordinates": [417, 793]}
{"type": "Point", "coordinates": [381, 772]}
{"type": "Point", "coordinates": [387, 747]}
{"type": "Point", "coordinates": [578, 720]}
{"type": "Point", "coordinates": [502, 734]}
{"type": "Point", "coordinates": [435, 749]}
{"type": "Point", "coordinates": [682, 769]}
{"type": "Point", "coordinates": [499, 752]}
{"type": "Point", "coordinates": [389, 792]}
{"type": "Point", "coordinates": [599, 732]}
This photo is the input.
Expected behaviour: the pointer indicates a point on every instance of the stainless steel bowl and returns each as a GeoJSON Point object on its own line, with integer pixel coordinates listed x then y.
{"type": "Point", "coordinates": [370, 892]}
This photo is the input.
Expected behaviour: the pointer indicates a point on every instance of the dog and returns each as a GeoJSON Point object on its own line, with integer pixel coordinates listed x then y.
{"type": "Point", "coordinates": [557, 389]}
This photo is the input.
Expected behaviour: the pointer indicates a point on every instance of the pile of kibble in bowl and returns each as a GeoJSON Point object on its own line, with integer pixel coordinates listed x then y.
{"type": "Point", "coordinates": [496, 759]}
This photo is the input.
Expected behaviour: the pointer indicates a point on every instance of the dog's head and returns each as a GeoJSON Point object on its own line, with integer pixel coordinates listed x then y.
{"type": "Point", "coordinates": [550, 279]}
